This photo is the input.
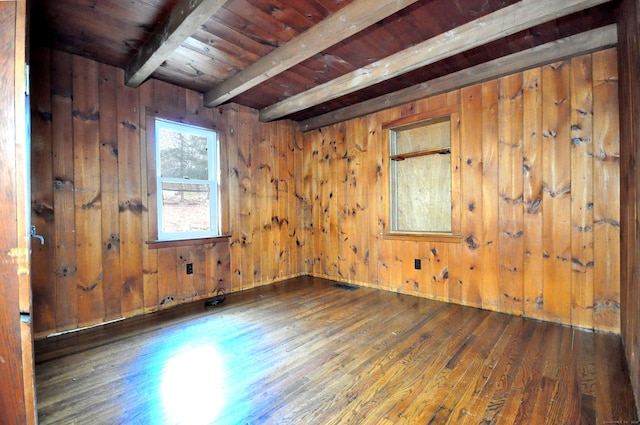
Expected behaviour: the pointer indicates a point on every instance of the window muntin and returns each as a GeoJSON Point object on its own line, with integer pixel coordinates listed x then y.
{"type": "Point", "coordinates": [420, 177]}
{"type": "Point", "coordinates": [187, 176]}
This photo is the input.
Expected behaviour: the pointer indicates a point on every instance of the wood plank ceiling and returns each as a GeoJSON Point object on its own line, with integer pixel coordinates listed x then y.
{"type": "Point", "coordinates": [315, 61]}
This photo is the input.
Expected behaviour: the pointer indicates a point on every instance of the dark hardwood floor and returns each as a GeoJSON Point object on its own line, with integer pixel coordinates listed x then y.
{"type": "Point", "coordinates": [306, 352]}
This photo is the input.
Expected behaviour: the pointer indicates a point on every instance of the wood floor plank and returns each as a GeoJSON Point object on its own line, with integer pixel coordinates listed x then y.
{"type": "Point", "coordinates": [303, 351]}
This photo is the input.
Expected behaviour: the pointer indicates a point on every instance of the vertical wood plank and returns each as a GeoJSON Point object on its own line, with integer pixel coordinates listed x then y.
{"type": "Point", "coordinates": [129, 197]}
{"type": "Point", "coordinates": [109, 189]}
{"type": "Point", "coordinates": [279, 217]}
{"type": "Point", "coordinates": [440, 256]}
{"type": "Point", "coordinates": [265, 185]}
{"type": "Point", "coordinates": [557, 191]}
{"type": "Point", "coordinates": [170, 98]}
{"type": "Point", "coordinates": [471, 110]}
{"type": "Point", "coordinates": [410, 283]}
{"type": "Point", "coordinates": [42, 197]}
{"type": "Point", "coordinates": [247, 140]}
{"type": "Point", "coordinates": [324, 198]}
{"type": "Point", "coordinates": [334, 180]}
{"type": "Point", "coordinates": [185, 283]}
{"type": "Point", "coordinates": [358, 207]}
{"type": "Point", "coordinates": [374, 165]}
{"type": "Point", "coordinates": [385, 254]}
{"type": "Point", "coordinates": [606, 181]}
{"type": "Point", "coordinates": [349, 248]}
{"type": "Point", "coordinates": [582, 259]}
{"type": "Point", "coordinates": [490, 197]}
{"type": "Point", "coordinates": [217, 271]}
{"type": "Point", "coordinates": [87, 196]}
{"type": "Point", "coordinates": [200, 270]}
{"type": "Point", "coordinates": [455, 272]}
{"type": "Point", "coordinates": [63, 196]}
{"type": "Point", "coordinates": [303, 185]}
{"type": "Point", "coordinates": [167, 277]}
{"type": "Point", "coordinates": [148, 186]}
{"type": "Point", "coordinates": [510, 189]}
{"type": "Point", "coordinates": [234, 194]}
{"type": "Point", "coordinates": [532, 185]}
{"type": "Point", "coordinates": [285, 199]}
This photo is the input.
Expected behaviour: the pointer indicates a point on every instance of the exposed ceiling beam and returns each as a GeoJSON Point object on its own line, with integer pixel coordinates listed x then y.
{"type": "Point", "coordinates": [348, 21]}
{"type": "Point", "coordinates": [554, 51]}
{"type": "Point", "coordinates": [501, 23]}
{"type": "Point", "coordinates": [182, 22]}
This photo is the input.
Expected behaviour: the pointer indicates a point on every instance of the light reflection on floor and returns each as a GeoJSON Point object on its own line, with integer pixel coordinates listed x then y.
{"type": "Point", "coordinates": [188, 377]}
{"type": "Point", "coordinates": [192, 386]}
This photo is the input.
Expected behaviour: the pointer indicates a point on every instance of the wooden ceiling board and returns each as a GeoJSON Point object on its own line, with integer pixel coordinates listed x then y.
{"type": "Point", "coordinates": [257, 25]}
{"type": "Point", "coordinates": [107, 29]}
{"type": "Point", "coordinates": [199, 62]}
{"type": "Point", "coordinates": [226, 61]}
{"type": "Point", "coordinates": [242, 32]}
{"type": "Point", "coordinates": [374, 42]}
{"type": "Point", "coordinates": [332, 6]}
{"type": "Point", "coordinates": [585, 20]}
{"type": "Point", "coordinates": [535, 36]}
{"type": "Point", "coordinates": [311, 9]}
{"type": "Point", "coordinates": [228, 39]}
{"type": "Point", "coordinates": [285, 14]}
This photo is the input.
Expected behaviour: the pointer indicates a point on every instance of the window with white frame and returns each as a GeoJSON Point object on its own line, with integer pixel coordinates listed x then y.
{"type": "Point", "coordinates": [187, 181]}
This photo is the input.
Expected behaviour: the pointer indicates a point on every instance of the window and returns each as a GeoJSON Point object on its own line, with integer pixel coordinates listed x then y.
{"type": "Point", "coordinates": [422, 184]}
{"type": "Point", "coordinates": [187, 181]}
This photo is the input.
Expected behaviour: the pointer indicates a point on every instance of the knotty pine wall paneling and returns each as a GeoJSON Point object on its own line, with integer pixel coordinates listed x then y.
{"type": "Point", "coordinates": [510, 194]}
{"type": "Point", "coordinates": [471, 113]}
{"type": "Point", "coordinates": [582, 242]}
{"type": "Point", "coordinates": [110, 233]}
{"type": "Point", "coordinates": [629, 100]}
{"type": "Point", "coordinates": [490, 197]}
{"type": "Point", "coordinates": [93, 197]}
{"type": "Point", "coordinates": [130, 210]}
{"type": "Point", "coordinates": [556, 197]}
{"type": "Point", "coordinates": [87, 206]}
{"type": "Point", "coordinates": [63, 287]}
{"type": "Point", "coordinates": [43, 190]}
{"type": "Point", "coordinates": [606, 178]}
{"type": "Point", "coordinates": [538, 205]}
{"type": "Point", "coordinates": [532, 193]}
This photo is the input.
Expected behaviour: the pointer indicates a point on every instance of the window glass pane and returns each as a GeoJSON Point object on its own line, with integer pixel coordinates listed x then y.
{"type": "Point", "coordinates": [185, 207]}
{"type": "Point", "coordinates": [423, 194]}
{"type": "Point", "coordinates": [183, 155]}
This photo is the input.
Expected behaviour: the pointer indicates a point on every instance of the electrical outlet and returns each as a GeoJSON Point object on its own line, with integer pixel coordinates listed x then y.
{"type": "Point", "coordinates": [417, 264]}
{"type": "Point", "coordinates": [189, 268]}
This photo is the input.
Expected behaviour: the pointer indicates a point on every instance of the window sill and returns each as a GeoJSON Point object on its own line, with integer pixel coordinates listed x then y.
{"type": "Point", "coordinates": [188, 242]}
{"type": "Point", "coordinates": [423, 237]}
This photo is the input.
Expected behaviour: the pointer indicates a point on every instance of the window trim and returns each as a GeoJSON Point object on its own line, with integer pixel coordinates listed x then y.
{"type": "Point", "coordinates": [455, 235]}
{"type": "Point", "coordinates": [212, 181]}
{"type": "Point", "coordinates": [149, 156]}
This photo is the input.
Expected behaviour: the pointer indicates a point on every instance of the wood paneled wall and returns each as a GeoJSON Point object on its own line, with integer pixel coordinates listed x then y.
{"type": "Point", "coordinates": [89, 198]}
{"type": "Point", "coordinates": [539, 204]}
{"type": "Point", "coordinates": [539, 200]}
{"type": "Point", "coordinates": [629, 65]}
